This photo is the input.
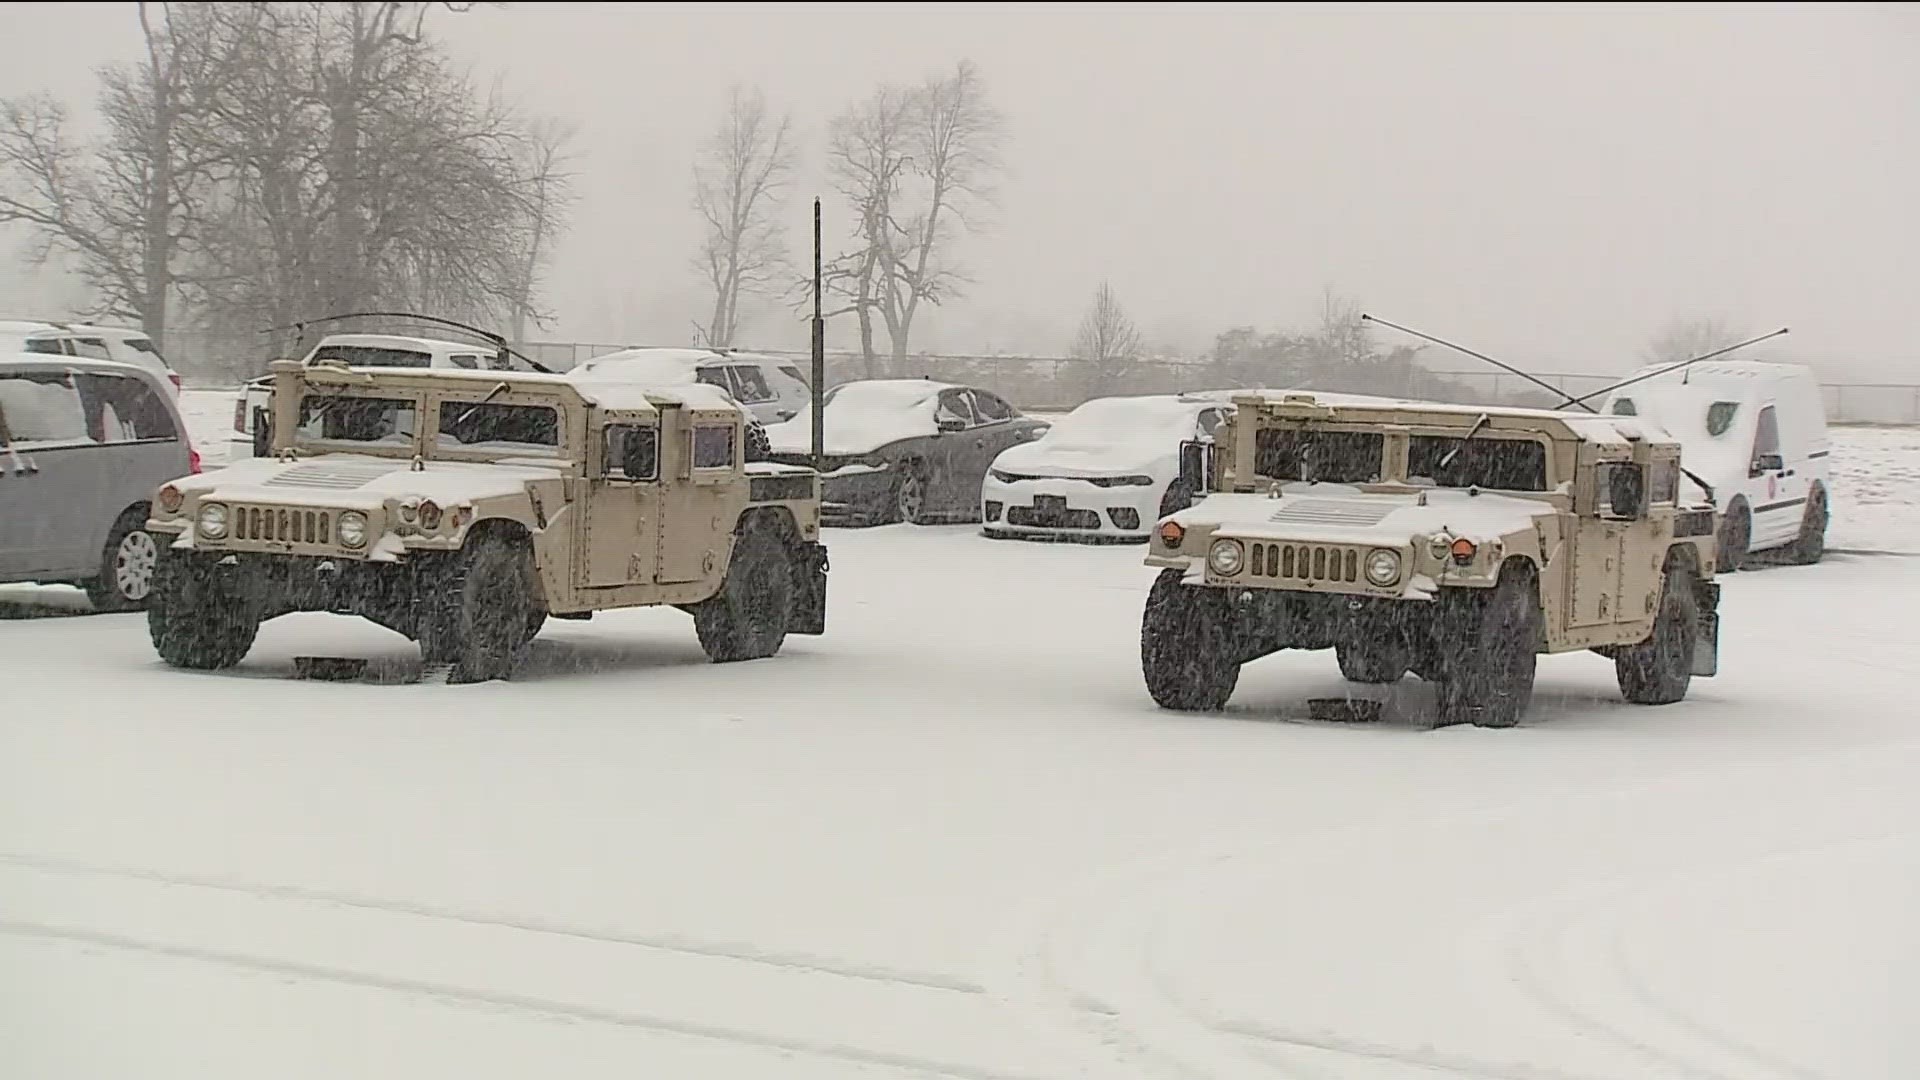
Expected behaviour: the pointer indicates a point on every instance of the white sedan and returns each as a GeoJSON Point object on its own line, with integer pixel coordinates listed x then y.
{"type": "Point", "coordinates": [1109, 469]}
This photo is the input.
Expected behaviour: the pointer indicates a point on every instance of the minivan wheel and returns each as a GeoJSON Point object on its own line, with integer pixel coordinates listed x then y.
{"type": "Point", "coordinates": [126, 565]}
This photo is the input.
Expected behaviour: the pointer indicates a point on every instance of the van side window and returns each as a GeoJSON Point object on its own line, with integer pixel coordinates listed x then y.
{"type": "Point", "coordinates": [1720, 417]}
{"type": "Point", "coordinates": [43, 409]}
{"type": "Point", "coordinates": [122, 409]}
{"type": "Point", "coordinates": [1625, 407]}
{"type": "Point", "coordinates": [1766, 441]}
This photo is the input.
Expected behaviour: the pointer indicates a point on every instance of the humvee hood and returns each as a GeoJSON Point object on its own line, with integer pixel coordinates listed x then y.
{"type": "Point", "coordinates": [1341, 514]}
{"type": "Point", "coordinates": [357, 480]}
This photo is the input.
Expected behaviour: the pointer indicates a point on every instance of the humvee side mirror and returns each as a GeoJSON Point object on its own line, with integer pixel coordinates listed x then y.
{"type": "Point", "coordinates": [1193, 465]}
{"type": "Point", "coordinates": [262, 433]}
{"type": "Point", "coordinates": [1626, 491]}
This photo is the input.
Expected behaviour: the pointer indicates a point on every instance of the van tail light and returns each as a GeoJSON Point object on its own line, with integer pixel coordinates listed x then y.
{"type": "Point", "coordinates": [240, 415]}
{"type": "Point", "coordinates": [193, 459]}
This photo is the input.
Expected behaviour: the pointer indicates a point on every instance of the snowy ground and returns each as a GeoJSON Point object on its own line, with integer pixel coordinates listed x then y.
{"type": "Point", "coordinates": [954, 838]}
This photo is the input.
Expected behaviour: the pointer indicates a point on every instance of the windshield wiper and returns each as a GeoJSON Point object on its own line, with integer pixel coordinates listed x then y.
{"type": "Point", "coordinates": [491, 394]}
{"type": "Point", "coordinates": [1471, 432]}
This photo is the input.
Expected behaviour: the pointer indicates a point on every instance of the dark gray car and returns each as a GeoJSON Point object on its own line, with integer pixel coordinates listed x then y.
{"type": "Point", "coordinates": [83, 446]}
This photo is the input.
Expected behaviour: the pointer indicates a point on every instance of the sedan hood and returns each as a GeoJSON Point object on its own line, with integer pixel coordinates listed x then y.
{"type": "Point", "coordinates": [1039, 459]}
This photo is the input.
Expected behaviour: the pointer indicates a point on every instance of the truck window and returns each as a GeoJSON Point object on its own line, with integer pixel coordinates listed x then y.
{"type": "Point", "coordinates": [642, 442]}
{"type": "Point", "coordinates": [1666, 482]}
{"type": "Point", "coordinates": [373, 356]}
{"type": "Point", "coordinates": [713, 446]}
{"type": "Point", "coordinates": [533, 430]}
{"type": "Point", "coordinates": [1325, 457]}
{"type": "Point", "coordinates": [1497, 464]}
{"type": "Point", "coordinates": [340, 418]}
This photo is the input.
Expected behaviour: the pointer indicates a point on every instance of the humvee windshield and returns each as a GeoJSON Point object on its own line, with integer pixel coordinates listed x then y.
{"type": "Point", "coordinates": [386, 422]}
{"type": "Point", "coordinates": [1319, 456]}
{"type": "Point", "coordinates": [1483, 462]}
{"type": "Point", "coordinates": [532, 430]}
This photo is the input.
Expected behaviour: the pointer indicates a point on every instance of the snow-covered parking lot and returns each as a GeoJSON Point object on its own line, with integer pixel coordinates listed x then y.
{"type": "Point", "coordinates": [953, 837]}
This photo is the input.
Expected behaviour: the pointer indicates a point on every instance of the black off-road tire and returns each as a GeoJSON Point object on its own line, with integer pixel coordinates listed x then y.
{"type": "Point", "coordinates": [748, 618]}
{"type": "Point", "coordinates": [127, 564]}
{"type": "Point", "coordinates": [480, 610]}
{"type": "Point", "coordinates": [195, 619]}
{"type": "Point", "coordinates": [1658, 670]}
{"type": "Point", "coordinates": [1493, 646]}
{"type": "Point", "coordinates": [1374, 662]}
{"type": "Point", "coordinates": [1187, 650]}
{"type": "Point", "coordinates": [1811, 545]}
{"type": "Point", "coordinates": [1736, 537]}
{"type": "Point", "coordinates": [909, 499]}
{"type": "Point", "coordinates": [759, 446]}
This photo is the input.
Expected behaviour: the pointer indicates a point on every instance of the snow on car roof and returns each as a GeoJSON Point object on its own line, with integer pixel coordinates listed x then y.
{"type": "Point", "coordinates": [401, 341]}
{"type": "Point", "coordinates": [865, 415]}
{"type": "Point", "coordinates": [662, 366]}
{"type": "Point", "coordinates": [1114, 421]}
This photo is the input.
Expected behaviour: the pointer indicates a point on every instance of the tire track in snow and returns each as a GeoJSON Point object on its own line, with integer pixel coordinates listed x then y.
{"type": "Point", "coordinates": [296, 893]}
{"type": "Point", "coordinates": [533, 1006]}
{"type": "Point", "coordinates": [1436, 1060]}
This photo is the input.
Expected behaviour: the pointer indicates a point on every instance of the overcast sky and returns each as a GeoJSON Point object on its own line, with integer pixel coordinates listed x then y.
{"type": "Point", "coordinates": [1547, 184]}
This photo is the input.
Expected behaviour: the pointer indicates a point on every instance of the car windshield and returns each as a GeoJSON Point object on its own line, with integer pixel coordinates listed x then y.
{"type": "Point", "coordinates": [373, 421]}
{"type": "Point", "coordinates": [1124, 421]}
{"type": "Point", "coordinates": [1319, 455]}
{"type": "Point", "coordinates": [1483, 461]}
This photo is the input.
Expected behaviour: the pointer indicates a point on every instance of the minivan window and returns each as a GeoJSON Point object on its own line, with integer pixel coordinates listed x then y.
{"type": "Point", "coordinates": [91, 348]}
{"type": "Point", "coordinates": [46, 345]}
{"type": "Point", "coordinates": [124, 409]}
{"type": "Point", "coordinates": [42, 408]}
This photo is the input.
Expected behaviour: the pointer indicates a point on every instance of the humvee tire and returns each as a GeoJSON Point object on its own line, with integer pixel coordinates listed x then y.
{"type": "Point", "coordinates": [195, 620]}
{"type": "Point", "coordinates": [1811, 545]}
{"type": "Point", "coordinates": [1373, 662]}
{"type": "Point", "coordinates": [1658, 670]}
{"type": "Point", "coordinates": [1187, 653]}
{"type": "Point", "coordinates": [1489, 681]}
{"type": "Point", "coordinates": [478, 614]}
{"type": "Point", "coordinates": [748, 618]}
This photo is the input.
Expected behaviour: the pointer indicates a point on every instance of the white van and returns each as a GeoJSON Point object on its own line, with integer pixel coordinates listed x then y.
{"type": "Point", "coordinates": [1755, 431]}
{"type": "Point", "coordinates": [771, 388]}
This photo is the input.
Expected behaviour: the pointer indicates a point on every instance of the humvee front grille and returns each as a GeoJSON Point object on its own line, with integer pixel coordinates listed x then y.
{"type": "Point", "coordinates": [1304, 562]}
{"type": "Point", "coordinates": [283, 524]}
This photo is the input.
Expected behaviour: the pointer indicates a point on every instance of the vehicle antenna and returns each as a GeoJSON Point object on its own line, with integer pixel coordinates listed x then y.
{"type": "Point", "coordinates": [1684, 363]}
{"type": "Point", "coordinates": [1479, 356]}
{"type": "Point", "coordinates": [494, 339]}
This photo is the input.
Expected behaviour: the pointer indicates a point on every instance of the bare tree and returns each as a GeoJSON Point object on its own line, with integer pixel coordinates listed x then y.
{"type": "Point", "coordinates": [127, 207]}
{"type": "Point", "coordinates": [545, 192]}
{"type": "Point", "coordinates": [738, 184]}
{"type": "Point", "coordinates": [1687, 336]}
{"type": "Point", "coordinates": [916, 166]}
{"type": "Point", "coordinates": [1108, 343]}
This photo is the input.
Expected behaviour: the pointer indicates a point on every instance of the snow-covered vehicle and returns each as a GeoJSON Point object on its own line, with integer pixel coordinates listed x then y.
{"type": "Point", "coordinates": [462, 508]}
{"type": "Point", "coordinates": [1755, 431]}
{"type": "Point", "coordinates": [911, 450]}
{"type": "Point", "coordinates": [772, 389]}
{"type": "Point", "coordinates": [1454, 541]}
{"type": "Point", "coordinates": [364, 351]}
{"type": "Point", "coordinates": [1108, 469]}
{"type": "Point", "coordinates": [121, 344]}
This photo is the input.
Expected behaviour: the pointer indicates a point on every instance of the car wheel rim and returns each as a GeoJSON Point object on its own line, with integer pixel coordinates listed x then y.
{"type": "Point", "coordinates": [910, 498]}
{"type": "Point", "coordinates": [133, 565]}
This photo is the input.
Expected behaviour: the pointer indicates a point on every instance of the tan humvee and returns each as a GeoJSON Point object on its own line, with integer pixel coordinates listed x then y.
{"type": "Point", "coordinates": [1454, 541]}
{"type": "Point", "coordinates": [462, 508]}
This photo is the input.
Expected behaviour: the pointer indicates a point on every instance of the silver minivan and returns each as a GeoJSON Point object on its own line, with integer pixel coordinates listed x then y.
{"type": "Point", "coordinates": [83, 446]}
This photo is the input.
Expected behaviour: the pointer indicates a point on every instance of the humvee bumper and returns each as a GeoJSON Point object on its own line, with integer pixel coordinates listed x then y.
{"type": "Point", "coordinates": [810, 599]}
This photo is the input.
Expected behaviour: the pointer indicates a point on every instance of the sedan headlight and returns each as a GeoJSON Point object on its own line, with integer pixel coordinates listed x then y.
{"type": "Point", "coordinates": [1226, 557]}
{"type": "Point", "coordinates": [1383, 567]}
{"type": "Point", "coordinates": [1123, 481]}
{"type": "Point", "coordinates": [212, 522]}
{"type": "Point", "coordinates": [352, 529]}
{"type": "Point", "coordinates": [1003, 477]}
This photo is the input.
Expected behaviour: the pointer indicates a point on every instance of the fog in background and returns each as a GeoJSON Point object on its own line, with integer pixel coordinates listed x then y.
{"type": "Point", "coordinates": [1547, 184]}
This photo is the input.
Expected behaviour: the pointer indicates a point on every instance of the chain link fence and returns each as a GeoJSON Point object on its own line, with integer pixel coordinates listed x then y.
{"type": "Point", "coordinates": [1058, 383]}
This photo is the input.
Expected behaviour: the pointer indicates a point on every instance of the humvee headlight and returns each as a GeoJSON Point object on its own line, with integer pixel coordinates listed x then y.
{"type": "Point", "coordinates": [429, 515]}
{"type": "Point", "coordinates": [1383, 567]}
{"type": "Point", "coordinates": [213, 521]}
{"type": "Point", "coordinates": [1226, 557]}
{"type": "Point", "coordinates": [171, 498]}
{"type": "Point", "coordinates": [352, 529]}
